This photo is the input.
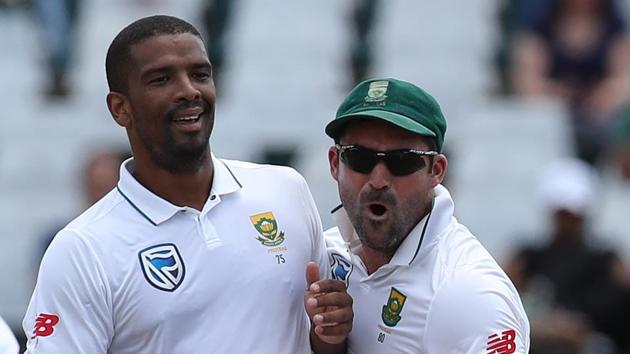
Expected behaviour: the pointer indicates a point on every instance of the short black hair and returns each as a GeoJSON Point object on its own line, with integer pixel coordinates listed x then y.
{"type": "Point", "coordinates": [119, 52]}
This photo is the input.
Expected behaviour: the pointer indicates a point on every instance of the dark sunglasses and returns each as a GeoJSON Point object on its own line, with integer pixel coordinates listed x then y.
{"type": "Point", "coordinates": [400, 162]}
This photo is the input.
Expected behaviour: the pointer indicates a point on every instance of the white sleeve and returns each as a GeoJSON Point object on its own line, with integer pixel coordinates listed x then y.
{"type": "Point", "coordinates": [475, 313]}
{"type": "Point", "coordinates": [318, 254]}
{"type": "Point", "coordinates": [8, 343]}
{"type": "Point", "coordinates": [70, 310]}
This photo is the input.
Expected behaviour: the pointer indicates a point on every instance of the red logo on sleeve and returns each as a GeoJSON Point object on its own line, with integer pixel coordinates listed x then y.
{"type": "Point", "coordinates": [503, 343]}
{"type": "Point", "coordinates": [44, 324]}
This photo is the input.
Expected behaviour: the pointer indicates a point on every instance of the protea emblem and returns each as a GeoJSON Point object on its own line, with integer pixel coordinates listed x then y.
{"type": "Point", "coordinates": [391, 311]}
{"type": "Point", "coordinates": [376, 91]}
{"type": "Point", "coordinates": [267, 227]}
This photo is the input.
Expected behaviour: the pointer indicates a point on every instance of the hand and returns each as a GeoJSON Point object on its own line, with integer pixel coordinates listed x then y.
{"type": "Point", "coordinates": [329, 306]}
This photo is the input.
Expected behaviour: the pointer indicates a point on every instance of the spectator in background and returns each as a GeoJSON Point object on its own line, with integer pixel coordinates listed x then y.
{"type": "Point", "coordinates": [620, 147]}
{"type": "Point", "coordinates": [576, 50]}
{"type": "Point", "coordinates": [57, 20]}
{"type": "Point", "coordinates": [217, 17]}
{"type": "Point", "coordinates": [362, 20]}
{"type": "Point", "coordinates": [100, 175]}
{"type": "Point", "coordinates": [573, 290]}
{"type": "Point", "coordinates": [8, 344]}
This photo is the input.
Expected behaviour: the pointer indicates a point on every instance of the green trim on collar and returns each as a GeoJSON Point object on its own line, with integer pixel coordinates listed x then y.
{"type": "Point", "coordinates": [424, 229]}
{"type": "Point", "coordinates": [135, 206]}
{"type": "Point", "coordinates": [230, 171]}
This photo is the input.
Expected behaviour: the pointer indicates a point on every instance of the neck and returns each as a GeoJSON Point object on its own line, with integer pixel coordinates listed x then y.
{"type": "Point", "coordinates": [182, 189]}
{"type": "Point", "coordinates": [373, 259]}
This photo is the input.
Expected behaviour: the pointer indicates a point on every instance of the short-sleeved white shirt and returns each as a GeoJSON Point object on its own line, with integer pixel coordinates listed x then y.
{"type": "Point", "coordinates": [8, 343]}
{"type": "Point", "coordinates": [137, 274]}
{"type": "Point", "coordinates": [441, 292]}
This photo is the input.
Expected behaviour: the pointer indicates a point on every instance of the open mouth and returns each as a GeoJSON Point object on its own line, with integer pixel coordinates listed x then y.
{"type": "Point", "coordinates": [377, 209]}
{"type": "Point", "coordinates": [187, 119]}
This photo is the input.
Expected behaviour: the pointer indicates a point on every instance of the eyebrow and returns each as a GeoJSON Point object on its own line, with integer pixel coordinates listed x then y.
{"type": "Point", "coordinates": [169, 68]}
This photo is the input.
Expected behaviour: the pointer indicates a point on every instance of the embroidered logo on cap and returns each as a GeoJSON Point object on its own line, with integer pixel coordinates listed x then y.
{"type": "Point", "coordinates": [376, 91]}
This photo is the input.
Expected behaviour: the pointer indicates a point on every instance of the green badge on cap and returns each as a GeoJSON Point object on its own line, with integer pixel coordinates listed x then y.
{"type": "Point", "coordinates": [394, 101]}
{"type": "Point", "coordinates": [376, 91]}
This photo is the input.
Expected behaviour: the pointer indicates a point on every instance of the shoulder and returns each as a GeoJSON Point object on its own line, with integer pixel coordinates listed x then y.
{"type": "Point", "coordinates": [333, 238]}
{"type": "Point", "coordinates": [69, 246]}
{"type": "Point", "coordinates": [245, 169]}
{"type": "Point", "coordinates": [335, 245]}
{"type": "Point", "coordinates": [99, 212]}
{"type": "Point", "coordinates": [472, 308]}
{"type": "Point", "coordinates": [459, 249]}
{"type": "Point", "coordinates": [338, 256]}
{"type": "Point", "coordinates": [278, 180]}
{"type": "Point", "coordinates": [8, 343]}
{"type": "Point", "coordinates": [474, 299]}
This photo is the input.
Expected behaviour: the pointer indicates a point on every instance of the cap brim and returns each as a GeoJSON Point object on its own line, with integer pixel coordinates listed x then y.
{"type": "Point", "coordinates": [335, 127]}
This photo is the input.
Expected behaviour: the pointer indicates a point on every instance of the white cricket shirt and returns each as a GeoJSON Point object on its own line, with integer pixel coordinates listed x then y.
{"type": "Point", "coordinates": [441, 293]}
{"type": "Point", "coordinates": [8, 343]}
{"type": "Point", "coordinates": [136, 274]}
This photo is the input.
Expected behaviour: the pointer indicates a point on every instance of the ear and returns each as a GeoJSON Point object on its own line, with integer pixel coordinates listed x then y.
{"type": "Point", "coordinates": [119, 108]}
{"type": "Point", "coordinates": [440, 164]}
{"type": "Point", "coordinates": [333, 161]}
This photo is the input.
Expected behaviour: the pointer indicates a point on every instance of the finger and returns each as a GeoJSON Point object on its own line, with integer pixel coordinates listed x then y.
{"type": "Point", "coordinates": [312, 274]}
{"type": "Point", "coordinates": [310, 304]}
{"type": "Point", "coordinates": [334, 317]}
{"type": "Point", "coordinates": [341, 329]}
{"type": "Point", "coordinates": [336, 299]}
{"type": "Point", "coordinates": [329, 285]}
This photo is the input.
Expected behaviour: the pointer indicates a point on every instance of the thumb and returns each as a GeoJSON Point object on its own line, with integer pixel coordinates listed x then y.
{"type": "Point", "coordinates": [312, 273]}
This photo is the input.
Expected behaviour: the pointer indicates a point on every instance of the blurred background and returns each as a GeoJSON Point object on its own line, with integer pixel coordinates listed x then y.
{"type": "Point", "coordinates": [536, 94]}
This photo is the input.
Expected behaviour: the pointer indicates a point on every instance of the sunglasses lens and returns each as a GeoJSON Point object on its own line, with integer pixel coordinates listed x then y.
{"type": "Point", "coordinates": [399, 162]}
{"type": "Point", "coordinates": [402, 163]}
{"type": "Point", "coordinates": [359, 159]}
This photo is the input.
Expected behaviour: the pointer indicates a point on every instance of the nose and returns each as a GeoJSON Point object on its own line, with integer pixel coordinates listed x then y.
{"type": "Point", "coordinates": [187, 90]}
{"type": "Point", "coordinates": [380, 178]}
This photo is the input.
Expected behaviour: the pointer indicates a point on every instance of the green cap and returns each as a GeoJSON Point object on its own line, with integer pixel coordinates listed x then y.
{"type": "Point", "coordinates": [398, 102]}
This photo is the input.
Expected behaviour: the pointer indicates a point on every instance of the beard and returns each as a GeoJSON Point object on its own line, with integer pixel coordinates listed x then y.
{"type": "Point", "coordinates": [383, 235]}
{"type": "Point", "coordinates": [180, 157]}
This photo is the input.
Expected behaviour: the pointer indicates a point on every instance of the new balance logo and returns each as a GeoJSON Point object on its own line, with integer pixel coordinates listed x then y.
{"type": "Point", "coordinates": [503, 343]}
{"type": "Point", "coordinates": [44, 324]}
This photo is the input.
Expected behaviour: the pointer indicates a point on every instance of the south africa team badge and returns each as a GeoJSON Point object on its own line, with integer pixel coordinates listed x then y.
{"type": "Point", "coordinates": [267, 227]}
{"type": "Point", "coordinates": [391, 311]}
{"type": "Point", "coordinates": [377, 91]}
{"type": "Point", "coordinates": [162, 266]}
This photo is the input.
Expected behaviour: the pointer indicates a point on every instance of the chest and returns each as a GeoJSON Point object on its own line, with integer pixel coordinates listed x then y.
{"type": "Point", "coordinates": [394, 309]}
{"type": "Point", "coordinates": [193, 272]}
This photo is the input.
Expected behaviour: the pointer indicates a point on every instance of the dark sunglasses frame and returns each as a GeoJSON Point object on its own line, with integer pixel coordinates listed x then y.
{"type": "Point", "coordinates": [400, 162]}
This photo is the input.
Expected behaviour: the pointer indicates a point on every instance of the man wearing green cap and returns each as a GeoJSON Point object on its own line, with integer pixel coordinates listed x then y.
{"type": "Point", "coordinates": [421, 282]}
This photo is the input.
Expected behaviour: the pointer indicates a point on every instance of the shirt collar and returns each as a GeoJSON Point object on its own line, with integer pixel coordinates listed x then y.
{"type": "Point", "coordinates": [420, 240]}
{"type": "Point", "coordinates": [156, 209]}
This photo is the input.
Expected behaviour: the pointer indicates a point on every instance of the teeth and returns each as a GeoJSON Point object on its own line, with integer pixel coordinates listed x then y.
{"type": "Point", "coordinates": [187, 118]}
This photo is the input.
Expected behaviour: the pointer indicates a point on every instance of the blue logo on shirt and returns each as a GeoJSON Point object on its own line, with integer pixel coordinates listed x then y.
{"type": "Point", "coordinates": [340, 268]}
{"type": "Point", "coordinates": [162, 266]}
